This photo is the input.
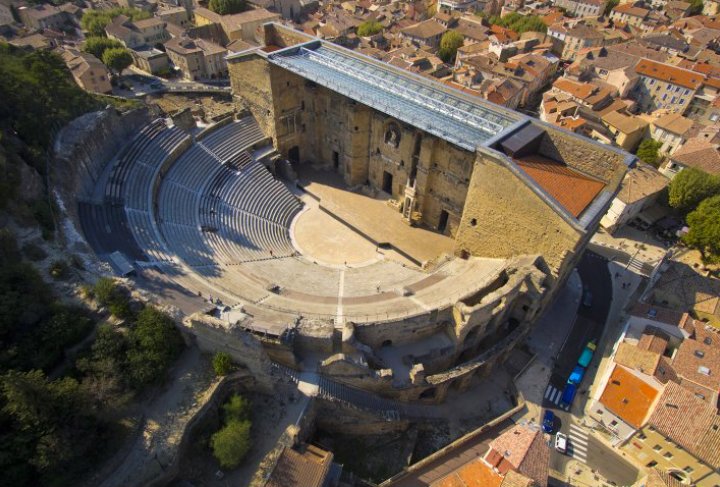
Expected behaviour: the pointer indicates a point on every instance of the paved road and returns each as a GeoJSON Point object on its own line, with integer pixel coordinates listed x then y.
{"type": "Point", "coordinates": [588, 326]}
{"type": "Point", "coordinates": [591, 451]}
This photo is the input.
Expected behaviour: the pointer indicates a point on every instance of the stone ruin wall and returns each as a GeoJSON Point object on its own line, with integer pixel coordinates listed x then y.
{"type": "Point", "coordinates": [503, 218]}
{"type": "Point", "coordinates": [86, 145]}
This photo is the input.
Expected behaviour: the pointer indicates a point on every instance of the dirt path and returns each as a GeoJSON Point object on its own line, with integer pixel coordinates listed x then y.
{"type": "Point", "coordinates": [190, 384]}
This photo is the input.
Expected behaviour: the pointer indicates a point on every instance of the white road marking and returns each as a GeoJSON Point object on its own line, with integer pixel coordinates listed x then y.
{"type": "Point", "coordinates": [548, 390]}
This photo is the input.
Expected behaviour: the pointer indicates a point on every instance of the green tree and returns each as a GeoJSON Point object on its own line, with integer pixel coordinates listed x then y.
{"type": "Point", "coordinates": [227, 7]}
{"type": "Point", "coordinates": [519, 23]}
{"type": "Point", "coordinates": [38, 96]}
{"type": "Point", "coordinates": [704, 233]}
{"type": "Point", "coordinates": [237, 408]}
{"type": "Point", "coordinates": [94, 21]}
{"type": "Point", "coordinates": [690, 187]}
{"type": "Point", "coordinates": [117, 59]}
{"type": "Point", "coordinates": [231, 443]}
{"type": "Point", "coordinates": [609, 6]}
{"type": "Point", "coordinates": [222, 363]}
{"type": "Point", "coordinates": [648, 152]}
{"type": "Point", "coordinates": [449, 44]}
{"type": "Point", "coordinates": [98, 45]}
{"type": "Point", "coordinates": [50, 419]}
{"type": "Point", "coordinates": [369, 28]}
{"type": "Point", "coordinates": [155, 343]}
{"type": "Point", "coordinates": [696, 7]}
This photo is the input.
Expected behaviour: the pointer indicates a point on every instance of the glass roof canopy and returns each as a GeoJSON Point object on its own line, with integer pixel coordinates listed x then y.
{"type": "Point", "coordinates": [403, 95]}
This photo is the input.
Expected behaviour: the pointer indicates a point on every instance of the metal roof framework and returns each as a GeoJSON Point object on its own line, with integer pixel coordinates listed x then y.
{"type": "Point", "coordinates": [404, 96]}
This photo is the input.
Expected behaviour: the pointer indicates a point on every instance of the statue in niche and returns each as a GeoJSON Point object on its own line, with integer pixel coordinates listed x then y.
{"type": "Point", "coordinates": [392, 136]}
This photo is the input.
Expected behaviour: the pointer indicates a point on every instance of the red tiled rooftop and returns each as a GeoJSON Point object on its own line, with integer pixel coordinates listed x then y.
{"type": "Point", "coordinates": [573, 190]}
{"type": "Point", "coordinates": [628, 397]}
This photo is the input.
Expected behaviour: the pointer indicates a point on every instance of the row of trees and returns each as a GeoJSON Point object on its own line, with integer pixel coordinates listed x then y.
{"type": "Point", "coordinates": [111, 52]}
{"type": "Point", "coordinates": [94, 21]}
{"type": "Point", "coordinates": [519, 23]}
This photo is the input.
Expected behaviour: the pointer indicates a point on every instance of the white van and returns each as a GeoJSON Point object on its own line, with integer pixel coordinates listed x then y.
{"type": "Point", "coordinates": [561, 442]}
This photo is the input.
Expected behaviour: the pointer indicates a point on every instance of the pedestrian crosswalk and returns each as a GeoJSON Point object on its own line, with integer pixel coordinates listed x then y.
{"type": "Point", "coordinates": [577, 443]}
{"type": "Point", "coordinates": [552, 394]}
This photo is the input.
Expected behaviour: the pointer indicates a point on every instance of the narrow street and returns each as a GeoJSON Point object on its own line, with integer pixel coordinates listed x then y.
{"type": "Point", "coordinates": [589, 324]}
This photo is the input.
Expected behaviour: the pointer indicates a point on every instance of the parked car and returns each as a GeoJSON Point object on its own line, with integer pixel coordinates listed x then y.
{"type": "Point", "coordinates": [587, 354]}
{"type": "Point", "coordinates": [561, 442]}
{"type": "Point", "coordinates": [568, 395]}
{"type": "Point", "coordinates": [577, 374]}
{"type": "Point", "coordinates": [548, 422]}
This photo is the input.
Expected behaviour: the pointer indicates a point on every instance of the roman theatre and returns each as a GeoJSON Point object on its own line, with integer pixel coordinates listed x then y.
{"type": "Point", "coordinates": [376, 228]}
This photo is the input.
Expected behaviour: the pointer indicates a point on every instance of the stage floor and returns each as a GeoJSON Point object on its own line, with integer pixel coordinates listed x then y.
{"type": "Point", "coordinates": [372, 216]}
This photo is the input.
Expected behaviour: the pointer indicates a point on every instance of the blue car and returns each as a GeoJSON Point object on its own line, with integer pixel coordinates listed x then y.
{"type": "Point", "coordinates": [548, 422]}
{"type": "Point", "coordinates": [576, 376]}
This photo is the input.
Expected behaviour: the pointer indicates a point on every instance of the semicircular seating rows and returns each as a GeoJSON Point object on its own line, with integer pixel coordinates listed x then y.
{"type": "Point", "coordinates": [214, 204]}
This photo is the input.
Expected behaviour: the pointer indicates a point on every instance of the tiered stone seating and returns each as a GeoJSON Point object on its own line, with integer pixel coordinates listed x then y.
{"type": "Point", "coordinates": [226, 141]}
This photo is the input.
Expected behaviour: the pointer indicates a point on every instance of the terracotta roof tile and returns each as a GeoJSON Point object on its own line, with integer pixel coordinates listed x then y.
{"type": "Point", "coordinates": [698, 360]}
{"type": "Point", "coordinates": [628, 397]}
{"type": "Point", "coordinates": [699, 154]}
{"type": "Point", "coordinates": [301, 469]}
{"type": "Point", "coordinates": [633, 357]}
{"type": "Point", "coordinates": [573, 190]}
{"type": "Point", "coordinates": [473, 474]}
{"type": "Point", "coordinates": [640, 182]}
{"type": "Point", "coordinates": [687, 420]}
{"type": "Point", "coordinates": [523, 450]}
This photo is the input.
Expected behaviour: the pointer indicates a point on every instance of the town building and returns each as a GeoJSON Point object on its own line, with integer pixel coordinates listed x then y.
{"type": "Point", "coordinates": [629, 14]}
{"type": "Point", "coordinates": [681, 438]}
{"type": "Point", "coordinates": [197, 59]}
{"type": "Point", "coordinates": [696, 153]}
{"type": "Point", "coordinates": [663, 86]}
{"type": "Point", "coordinates": [426, 34]}
{"type": "Point", "coordinates": [570, 38]}
{"type": "Point", "coordinates": [151, 60]}
{"type": "Point", "coordinates": [640, 189]}
{"type": "Point", "coordinates": [133, 34]}
{"type": "Point", "coordinates": [87, 71]}
{"type": "Point", "coordinates": [243, 26]}
{"type": "Point", "coordinates": [673, 130]}
{"type": "Point", "coordinates": [174, 15]}
{"type": "Point", "coordinates": [582, 8]}
{"type": "Point", "coordinates": [43, 16]}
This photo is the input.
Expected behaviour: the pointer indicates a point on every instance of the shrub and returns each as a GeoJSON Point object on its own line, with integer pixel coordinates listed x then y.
{"type": "Point", "coordinates": [231, 443]}
{"type": "Point", "coordinates": [105, 289]}
{"type": "Point", "coordinates": [369, 28]}
{"type": "Point", "coordinates": [222, 363]}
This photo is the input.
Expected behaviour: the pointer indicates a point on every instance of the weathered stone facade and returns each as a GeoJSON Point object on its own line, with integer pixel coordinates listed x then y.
{"type": "Point", "coordinates": [482, 198]}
